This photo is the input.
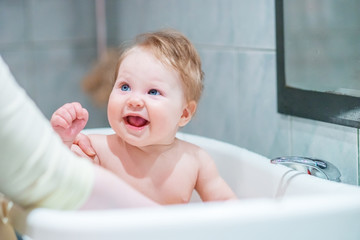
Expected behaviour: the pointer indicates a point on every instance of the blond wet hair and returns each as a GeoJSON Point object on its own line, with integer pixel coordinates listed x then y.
{"type": "Point", "coordinates": [174, 50]}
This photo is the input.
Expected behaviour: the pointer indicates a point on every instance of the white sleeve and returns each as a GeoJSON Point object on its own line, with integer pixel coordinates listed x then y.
{"type": "Point", "coordinates": [36, 169]}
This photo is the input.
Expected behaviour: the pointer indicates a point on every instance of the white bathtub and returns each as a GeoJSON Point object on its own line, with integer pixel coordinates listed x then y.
{"type": "Point", "coordinates": [275, 203]}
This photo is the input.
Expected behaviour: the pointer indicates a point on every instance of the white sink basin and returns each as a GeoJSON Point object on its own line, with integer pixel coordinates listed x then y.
{"type": "Point", "coordinates": [275, 202]}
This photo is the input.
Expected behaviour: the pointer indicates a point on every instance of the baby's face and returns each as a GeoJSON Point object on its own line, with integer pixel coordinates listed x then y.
{"type": "Point", "coordinates": [147, 102]}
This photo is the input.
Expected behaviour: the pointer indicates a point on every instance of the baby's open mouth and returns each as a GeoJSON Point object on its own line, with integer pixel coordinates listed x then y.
{"type": "Point", "coordinates": [136, 121]}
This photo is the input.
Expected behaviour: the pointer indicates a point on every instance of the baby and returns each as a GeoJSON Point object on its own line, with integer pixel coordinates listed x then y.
{"type": "Point", "coordinates": [158, 83]}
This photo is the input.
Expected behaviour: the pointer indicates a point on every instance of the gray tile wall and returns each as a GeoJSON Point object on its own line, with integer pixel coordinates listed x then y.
{"type": "Point", "coordinates": [50, 45]}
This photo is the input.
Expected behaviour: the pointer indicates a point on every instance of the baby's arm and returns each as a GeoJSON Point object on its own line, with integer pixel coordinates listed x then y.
{"type": "Point", "coordinates": [68, 121]}
{"type": "Point", "coordinates": [210, 185]}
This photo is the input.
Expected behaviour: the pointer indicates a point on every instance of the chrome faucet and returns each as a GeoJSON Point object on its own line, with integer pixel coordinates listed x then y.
{"type": "Point", "coordinates": [311, 166]}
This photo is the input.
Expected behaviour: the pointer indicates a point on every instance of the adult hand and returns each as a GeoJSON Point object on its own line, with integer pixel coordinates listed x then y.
{"type": "Point", "coordinates": [84, 143]}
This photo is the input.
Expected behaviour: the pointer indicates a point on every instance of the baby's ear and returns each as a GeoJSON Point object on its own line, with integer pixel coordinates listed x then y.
{"type": "Point", "coordinates": [188, 112]}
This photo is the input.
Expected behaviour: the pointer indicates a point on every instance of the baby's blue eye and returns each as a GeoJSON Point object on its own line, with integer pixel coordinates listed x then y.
{"type": "Point", "coordinates": [125, 87]}
{"type": "Point", "coordinates": [154, 92]}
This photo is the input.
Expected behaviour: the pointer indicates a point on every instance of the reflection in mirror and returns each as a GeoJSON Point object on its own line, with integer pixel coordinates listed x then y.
{"type": "Point", "coordinates": [322, 45]}
{"type": "Point", "coordinates": [318, 59]}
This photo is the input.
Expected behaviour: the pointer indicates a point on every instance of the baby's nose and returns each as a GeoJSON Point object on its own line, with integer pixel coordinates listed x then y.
{"type": "Point", "coordinates": [135, 102]}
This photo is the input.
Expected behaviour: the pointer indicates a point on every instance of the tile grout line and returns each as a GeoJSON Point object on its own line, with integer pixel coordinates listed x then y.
{"type": "Point", "coordinates": [358, 158]}
{"type": "Point", "coordinates": [290, 135]}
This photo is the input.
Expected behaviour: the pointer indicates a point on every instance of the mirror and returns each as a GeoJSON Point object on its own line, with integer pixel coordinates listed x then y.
{"type": "Point", "coordinates": [318, 59]}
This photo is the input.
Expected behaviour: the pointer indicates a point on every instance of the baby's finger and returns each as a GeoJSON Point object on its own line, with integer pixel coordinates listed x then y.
{"type": "Point", "coordinates": [85, 114]}
{"type": "Point", "coordinates": [71, 108]}
{"type": "Point", "coordinates": [65, 112]}
{"type": "Point", "coordinates": [81, 113]}
{"type": "Point", "coordinates": [58, 121]}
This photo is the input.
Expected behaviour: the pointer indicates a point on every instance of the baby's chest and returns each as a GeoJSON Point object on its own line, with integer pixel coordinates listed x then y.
{"type": "Point", "coordinates": [164, 183]}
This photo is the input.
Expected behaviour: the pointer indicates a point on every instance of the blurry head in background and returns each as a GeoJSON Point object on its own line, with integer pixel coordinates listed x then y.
{"type": "Point", "coordinates": [99, 82]}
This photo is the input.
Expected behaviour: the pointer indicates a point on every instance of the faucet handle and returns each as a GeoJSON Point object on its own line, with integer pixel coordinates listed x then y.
{"type": "Point", "coordinates": [312, 166]}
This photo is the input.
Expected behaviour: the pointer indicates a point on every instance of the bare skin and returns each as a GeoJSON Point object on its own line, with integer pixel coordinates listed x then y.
{"type": "Point", "coordinates": [146, 108]}
{"type": "Point", "coordinates": [168, 175]}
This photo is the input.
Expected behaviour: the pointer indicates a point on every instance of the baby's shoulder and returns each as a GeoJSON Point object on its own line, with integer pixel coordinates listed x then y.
{"type": "Point", "coordinates": [97, 138]}
{"type": "Point", "coordinates": [99, 142]}
{"type": "Point", "coordinates": [195, 151]}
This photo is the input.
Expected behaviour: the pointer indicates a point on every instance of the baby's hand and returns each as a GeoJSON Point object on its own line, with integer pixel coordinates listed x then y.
{"type": "Point", "coordinates": [69, 120]}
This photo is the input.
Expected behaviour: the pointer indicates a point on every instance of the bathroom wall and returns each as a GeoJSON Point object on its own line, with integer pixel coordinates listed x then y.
{"type": "Point", "coordinates": [51, 44]}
